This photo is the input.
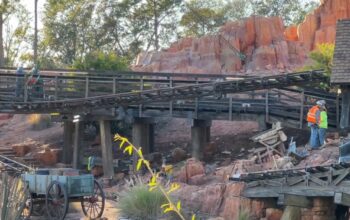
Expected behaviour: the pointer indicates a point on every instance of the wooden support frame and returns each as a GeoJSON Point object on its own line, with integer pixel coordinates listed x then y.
{"type": "Point", "coordinates": [294, 200]}
{"type": "Point", "coordinates": [342, 198]}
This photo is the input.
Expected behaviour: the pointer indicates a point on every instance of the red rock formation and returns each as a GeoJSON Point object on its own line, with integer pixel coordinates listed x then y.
{"type": "Point", "coordinates": [319, 26]}
{"type": "Point", "coordinates": [265, 42]}
{"type": "Point", "coordinates": [192, 168]}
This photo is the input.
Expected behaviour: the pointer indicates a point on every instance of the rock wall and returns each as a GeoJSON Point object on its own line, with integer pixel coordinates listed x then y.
{"type": "Point", "coordinates": [268, 46]}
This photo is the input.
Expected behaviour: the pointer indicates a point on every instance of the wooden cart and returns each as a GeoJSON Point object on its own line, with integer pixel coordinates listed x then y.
{"type": "Point", "coordinates": [55, 188]}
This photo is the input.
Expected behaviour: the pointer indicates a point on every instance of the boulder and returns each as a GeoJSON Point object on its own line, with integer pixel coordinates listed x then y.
{"type": "Point", "coordinates": [273, 214]}
{"type": "Point", "coordinates": [191, 168]}
{"type": "Point", "coordinates": [178, 154]}
{"type": "Point", "coordinates": [21, 149]}
{"type": "Point", "coordinates": [48, 157]}
{"type": "Point", "coordinates": [5, 116]}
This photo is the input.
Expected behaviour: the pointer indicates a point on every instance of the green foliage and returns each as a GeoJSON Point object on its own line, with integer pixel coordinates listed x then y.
{"type": "Point", "coordinates": [17, 38]}
{"type": "Point", "coordinates": [201, 17]}
{"type": "Point", "coordinates": [70, 29]}
{"type": "Point", "coordinates": [243, 215]}
{"type": "Point", "coordinates": [322, 58]}
{"type": "Point", "coordinates": [140, 203]}
{"type": "Point", "coordinates": [102, 61]}
{"type": "Point", "coordinates": [205, 17]}
{"type": "Point", "coordinates": [292, 12]}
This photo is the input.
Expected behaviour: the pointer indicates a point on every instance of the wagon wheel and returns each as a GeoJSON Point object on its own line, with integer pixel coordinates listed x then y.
{"type": "Point", "coordinates": [56, 201]}
{"type": "Point", "coordinates": [28, 207]}
{"type": "Point", "coordinates": [94, 205]}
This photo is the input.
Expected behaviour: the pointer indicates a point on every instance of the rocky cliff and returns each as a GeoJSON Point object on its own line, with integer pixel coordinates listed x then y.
{"type": "Point", "coordinates": [264, 43]}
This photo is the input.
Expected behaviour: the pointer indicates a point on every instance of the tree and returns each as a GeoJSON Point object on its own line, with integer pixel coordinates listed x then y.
{"type": "Point", "coordinates": [69, 29]}
{"type": "Point", "coordinates": [291, 11]}
{"type": "Point", "coordinates": [17, 37]}
{"type": "Point", "coordinates": [6, 8]}
{"type": "Point", "coordinates": [201, 17]}
{"type": "Point", "coordinates": [322, 58]}
{"type": "Point", "coordinates": [99, 60]}
{"type": "Point", "coordinates": [159, 18]}
{"type": "Point", "coordinates": [236, 9]}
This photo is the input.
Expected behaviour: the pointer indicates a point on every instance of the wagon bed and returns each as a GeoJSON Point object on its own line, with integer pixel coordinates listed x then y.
{"type": "Point", "coordinates": [57, 187]}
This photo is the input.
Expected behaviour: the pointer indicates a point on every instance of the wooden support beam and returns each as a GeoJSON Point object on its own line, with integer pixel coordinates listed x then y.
{"type": "Point", "coordinates": [294, 200]}
{"type": "Point", "coordinates": [68, 129]}
{"type": "Point", "coordinates": [107, 152]}
{"type": "Point", "coordinates": [77, 137]}
{"type": "Point", "coordinates": [342, 198]}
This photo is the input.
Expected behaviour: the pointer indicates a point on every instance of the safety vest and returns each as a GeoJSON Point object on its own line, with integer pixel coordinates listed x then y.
{"type": "Point", "coordinates": [311, 115]}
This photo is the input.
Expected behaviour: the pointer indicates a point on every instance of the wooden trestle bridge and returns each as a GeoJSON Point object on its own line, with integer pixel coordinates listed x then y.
{"type": "Point", "coordinates": [284, 97]}
{"type": "Point", "coordinates": [294, 186]}
{"type": "Point", "coordinates": [218, 97]}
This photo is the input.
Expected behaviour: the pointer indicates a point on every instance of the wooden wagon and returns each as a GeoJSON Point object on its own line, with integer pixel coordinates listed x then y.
{"type": "Point", "coordinates": [55, 188]}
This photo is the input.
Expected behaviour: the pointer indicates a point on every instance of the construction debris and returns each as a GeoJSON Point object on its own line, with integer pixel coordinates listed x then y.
{"type": "Point", "coordinates": [273, 144]}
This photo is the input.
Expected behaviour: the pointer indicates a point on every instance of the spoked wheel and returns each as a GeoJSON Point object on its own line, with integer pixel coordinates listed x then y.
{"type": "Point", "coordinates": [28, 208]}
{"type": "Point", "coordinates": [56, 201]}
{"type": "Point", "coordinates": [94, 205]}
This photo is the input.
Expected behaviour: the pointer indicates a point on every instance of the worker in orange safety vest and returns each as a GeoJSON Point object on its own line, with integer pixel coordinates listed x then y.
{"type": "Point", "coordinates": [314, 120]}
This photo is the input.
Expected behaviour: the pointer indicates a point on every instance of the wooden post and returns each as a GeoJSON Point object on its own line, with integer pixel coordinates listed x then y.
{"type": "Point", "coordinates": [141, 88]}
{"type": "Point", "coordinates": [171, 84]}
{"type": "Point", "coordinates": [301, 119]}
{"type": "Point", "coordinates": [56, 88]}
{"type": "Point", "coordinates": [114, 85]}
{"type": "Point", "coordinates": [337, 112]}
{"type": "Point", "coordinates": [196, 103]}
{"type": "Point", "coordinates": [25, 91]}
{"type": "Point", "coordinates": [107, 151]}
{"type": "Point", "coordinates": [267, 106]}
{"type": "Point", "coordinates": [230, 109]}
{"type": "Point", "coordinates": [67, 142]}
{"type": "Point", "coordinates": [86, 87]}
{"type": "Point", "coordinates": [76, 145]}
{"type": "Point", "coordinates": [345, 108]}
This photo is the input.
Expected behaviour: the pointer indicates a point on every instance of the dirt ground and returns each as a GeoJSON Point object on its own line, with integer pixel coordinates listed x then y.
{"type": "Point", "coordinates": [75, 212]}
{"type": "Point", "coordinates": [232, 137]}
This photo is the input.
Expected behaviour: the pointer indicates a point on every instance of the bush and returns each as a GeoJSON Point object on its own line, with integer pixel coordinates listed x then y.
{"type": "Point", "coordinates": [139, 203]}
{"type": "Point", "coordinates": [39, 122]}
{"type": "Point", "coordinates": [243, 215]}
{"type": "Point", "coordinates": [322, 58]}
{"type": "Point", "coordinates": [99, 60]}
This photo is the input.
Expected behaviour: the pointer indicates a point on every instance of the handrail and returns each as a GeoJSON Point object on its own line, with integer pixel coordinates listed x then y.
{"type": "Point", "coordinates": [7, 165]}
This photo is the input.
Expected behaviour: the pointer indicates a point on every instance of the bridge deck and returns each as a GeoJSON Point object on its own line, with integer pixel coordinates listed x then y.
{"type": "Point", "coordinates": [74, 93]}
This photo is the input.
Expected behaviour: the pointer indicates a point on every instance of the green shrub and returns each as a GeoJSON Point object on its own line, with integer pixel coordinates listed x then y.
{"type": "Point", "coordinates": [243, 215]}
{"type": "Point", "coordinates": [139, 203]}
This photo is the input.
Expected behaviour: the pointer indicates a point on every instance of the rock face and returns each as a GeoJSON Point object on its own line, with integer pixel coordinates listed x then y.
{"type": "Point", "coordinates": [266, 44]}
{"type": "Point", "coordinates": [222, 200]}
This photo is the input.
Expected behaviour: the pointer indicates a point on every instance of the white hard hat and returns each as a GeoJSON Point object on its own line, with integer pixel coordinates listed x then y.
{"type": "Point", "coordinates": [321, 102]}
